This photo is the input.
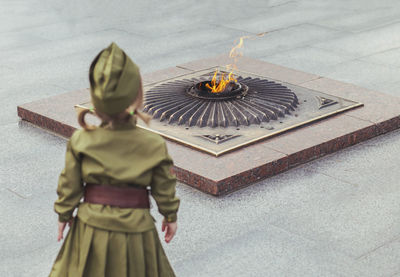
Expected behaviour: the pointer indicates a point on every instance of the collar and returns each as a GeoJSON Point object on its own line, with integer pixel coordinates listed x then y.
{"type": "Point", "coordinates": [127, 125]}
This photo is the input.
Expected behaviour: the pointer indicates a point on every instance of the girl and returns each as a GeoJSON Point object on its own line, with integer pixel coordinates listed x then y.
{"type": "Point", "coordinates": [113, 167]}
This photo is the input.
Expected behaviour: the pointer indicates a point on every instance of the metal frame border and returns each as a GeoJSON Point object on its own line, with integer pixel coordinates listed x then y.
{"type": "Point", "coordinates": [252, 141]}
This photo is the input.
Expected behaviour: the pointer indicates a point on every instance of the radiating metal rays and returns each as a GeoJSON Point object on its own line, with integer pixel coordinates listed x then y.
{"type": "Point", "coordinates": [225, 118]}
{"type": "Point", "coordinates": [265, 101]}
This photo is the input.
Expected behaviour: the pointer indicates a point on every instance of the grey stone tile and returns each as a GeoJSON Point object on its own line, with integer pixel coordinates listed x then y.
{"type": "Point", "coordinates": [34, 225]}
{"type": "Point", "coordinates": [266, 251]}
{"type": "Point", "coordinates": [354, 164]}
{"type": "Point", "coordinates": [289, 14]}
{"type": "Point", "coordinates": [32, 158]}
{"type": "Point", "coordinates": [30, 246]}
{"type": "Point", "coordinates": [164, 52]}
{"type": "Point", "coordinates": [28, 180]}
{"type": "Point", "coordinates": [179, 18]}
{"type": "Point", "coordinates": [195, 39]}
{"type": "Point", "coordinates": [308, 59]}
{"type": "Point", "coordinates": [354, 223]}
{"type": "Point", "coordinates": [33, 54]}
{"type": "Point", "coordinates": [19, 8]}
{"type": "Point", "coordinates": [286, 39]}
{"type": "Point", "coordinates": [364, 74]}
{"type": "Point", "coordinates": [388, 88]}
{"type": "Point", "coordinates": [171, 59]}
{"type": "Point", "coordinates": [27, 19]}
{"type": "Point", "coordinates": [14, 40]}
{"type": "Point", "coordinates": [5, 70]}
{"type": "Point", "coordinates": [26, 266]}
{"type": "Point", "coordinates": [390, 57]}
{"type": "Point", "coordinates": [68, 67]}
{"type": "Point", "coordinates": [21, 94]}
{"type": "Point", "coordinates": [56, 72]}
{"type": "Point", "coordinates": [383, 261]}
{"type": "Point", "coordinates": [10, 117]}
{"type": "Point", "coordinates": [163, 26]}
{"type": "Point", "coordinates": [63, 64]}
{"type": "Point", "coordinates": [119, 9]}
{"type": "Point", "coordinates": [68, 28]}
{"type": "Point", "coordinates": [365, 43]}
{"type": "Point", "coordinates": [362, 20]}
{"type": "Point", "coordinates": [222, 219]}
{"type": "Point", "coordinates": [351, 5]}
{"type": "Point", "coordinates": [360, 218]}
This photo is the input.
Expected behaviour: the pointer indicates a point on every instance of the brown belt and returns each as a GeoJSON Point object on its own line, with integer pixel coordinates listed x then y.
{"type": "Point", "coordinates": [123, 197]}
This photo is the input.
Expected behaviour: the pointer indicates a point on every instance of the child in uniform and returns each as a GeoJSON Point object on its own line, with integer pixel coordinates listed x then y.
{"type": "Point", "coordinates": [114, 167]}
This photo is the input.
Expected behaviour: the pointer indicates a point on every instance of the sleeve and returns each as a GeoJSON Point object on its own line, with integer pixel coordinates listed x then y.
{"type": "Point", "coordinates": [163, 189]}
{"type": "Point", "coordinates": [70, 186]}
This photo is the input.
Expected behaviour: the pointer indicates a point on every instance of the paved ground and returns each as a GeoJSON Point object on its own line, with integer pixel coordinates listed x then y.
{"type": "Point", "coordinates": [338, 216]}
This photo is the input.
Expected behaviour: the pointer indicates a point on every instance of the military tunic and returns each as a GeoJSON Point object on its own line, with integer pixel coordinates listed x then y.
{"type": "Point", "coordinates": [106, 238]}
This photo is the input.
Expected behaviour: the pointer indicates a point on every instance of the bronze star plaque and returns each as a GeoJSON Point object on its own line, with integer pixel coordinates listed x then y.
{"type": "Point", "coordinates": [254, 109]}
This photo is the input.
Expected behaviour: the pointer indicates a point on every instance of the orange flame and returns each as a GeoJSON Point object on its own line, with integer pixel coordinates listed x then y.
{"type": "Point", "coordinates": [220, 86]}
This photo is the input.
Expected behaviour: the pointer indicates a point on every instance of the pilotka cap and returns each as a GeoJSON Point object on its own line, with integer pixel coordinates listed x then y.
{"type": "Point", "coordinates": [114, 80]}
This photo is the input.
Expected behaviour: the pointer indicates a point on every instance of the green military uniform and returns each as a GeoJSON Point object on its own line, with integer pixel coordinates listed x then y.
{"type": "Point", "coordinates": [107, 240]}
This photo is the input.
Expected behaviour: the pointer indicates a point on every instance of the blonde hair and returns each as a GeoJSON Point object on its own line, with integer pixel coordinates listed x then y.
{"type": "Point", "coordinates": [121, 117]}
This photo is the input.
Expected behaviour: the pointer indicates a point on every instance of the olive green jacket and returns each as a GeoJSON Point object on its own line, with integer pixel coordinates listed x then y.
{"type": "Point", "coordinates": [126, 155]}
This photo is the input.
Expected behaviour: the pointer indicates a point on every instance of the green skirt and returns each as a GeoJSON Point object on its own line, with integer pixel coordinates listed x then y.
{"type": "Point", "coordinates": [88, 251]}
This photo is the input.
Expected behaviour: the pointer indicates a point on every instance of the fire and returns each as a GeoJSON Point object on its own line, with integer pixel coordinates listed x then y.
{"type": "Point", "coordinates": [220, 86]}
{"type": "Point", "coordinates": [223, 82]}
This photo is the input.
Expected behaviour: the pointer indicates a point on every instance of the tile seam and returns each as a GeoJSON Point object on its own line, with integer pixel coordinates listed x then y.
{"type": "Point", "coordinates": [334, 177]}
{"type": "Point", "coordinates": [378, 247]}
{"type": "Point", "coordinates": [185, 68]}
{"type": "Point", "coordinates": [17, 194]}
{"type": "Point", "coordinates": [309, 238]}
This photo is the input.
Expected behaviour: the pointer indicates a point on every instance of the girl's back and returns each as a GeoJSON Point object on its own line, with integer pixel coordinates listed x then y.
{"type": "Point", "coordinates": [109, 239]}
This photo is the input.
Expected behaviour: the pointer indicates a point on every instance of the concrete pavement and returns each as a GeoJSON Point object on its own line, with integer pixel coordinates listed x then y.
{"type": "Point", "coordinates": [337, 216]}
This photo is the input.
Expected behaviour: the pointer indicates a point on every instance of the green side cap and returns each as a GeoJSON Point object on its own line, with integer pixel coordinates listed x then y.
{"type": "Point", "coordinates": [114, 80]}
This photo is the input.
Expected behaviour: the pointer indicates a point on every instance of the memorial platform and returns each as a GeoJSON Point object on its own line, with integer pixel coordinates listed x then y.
{"type": "Point", "coordinates": [218, 175]}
